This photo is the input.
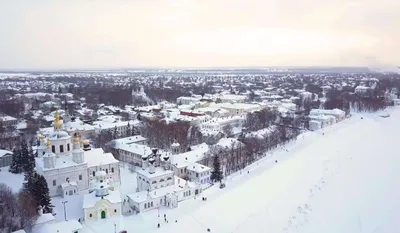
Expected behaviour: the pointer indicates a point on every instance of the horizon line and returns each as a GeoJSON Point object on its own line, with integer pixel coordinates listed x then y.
{"type": "Point", "coordinates": [173, 68]}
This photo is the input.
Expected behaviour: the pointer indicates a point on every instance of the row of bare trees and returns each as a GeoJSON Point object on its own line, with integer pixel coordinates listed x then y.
{"type": "Point", "coordinates": [359, 103]}
{"type": "Point", "coordinates": [17, 211]}
{"type": "Point", "coordinates": [162, 134]}
{"type": "Point", "coordinates": [249, 148]}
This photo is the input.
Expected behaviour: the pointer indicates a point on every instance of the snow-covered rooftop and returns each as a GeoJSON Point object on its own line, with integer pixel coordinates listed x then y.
{"type": "Point", "coordinates": [159, 171]}
{"type": "Point", "coordinates": [69, 226]}
{"type": "Point", "coordinates": [90, 200]}
{"type": "Point", "coordinates": [143, 195]}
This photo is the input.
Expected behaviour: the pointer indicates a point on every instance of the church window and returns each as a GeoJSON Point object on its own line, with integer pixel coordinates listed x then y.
{"type": "Point", "coordinates": [189, 192]}
{"type": "Point", "coordinates": [107, 171]}
{"type": "Point", "coordinates": [90, 215]}
{"type": "Point", "coordinates": [154, 182]}
{"type": "Point", "coordinates": [61, 148]}
{"type": "Point", "coordinates": [151, 204]}
{"type": "Point", "coordinates": [112, 170]}
{"type": "Point", "coordinates": [80, 177]}
{"type": "Point", "coordinates": [44, 152]}
{"type": "Point", "coordinates": [54, 182]}
{"type": "Point", "coordinates": [160, 201]}
{"type": "Point", "coordinates": [169, 178]}
{"type": "Point", "coordinates": [145, 205]}
{"type": "Point", "coordinates": [74, 191]}
{"type": "Point", "coordinates": [67, 179]}
{"type": "Point", "coordinates": [162, 180]}
{"type": "Point", "coordinates": [68, 148]}
{"type": "Point", "coordinates": [94, 173]}
{"type": "Point", "coordinates": [115, 210]}
{"type": "Point", "coordinates": [53, 148]}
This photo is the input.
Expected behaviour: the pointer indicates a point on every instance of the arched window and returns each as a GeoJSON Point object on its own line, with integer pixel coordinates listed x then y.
{"type": "Point", "coordinates": [145, 205]}
{"type": "Point", "coordinates": [90, 215]}
{"type": "Point", "coordinates": [112, 170]}
{"type": "Point", "coordinates": [162, 180]}
{"type": "Point", "coordinates": [107, 171]}
{"type": "Point", "coordinates": [169, 178]}
{"type": "Point", "coordinates": [94, 173]}
{"type": "Point", "coordinates": [115, 210]}
{"type": "Point", "coordinates": [154, 182]}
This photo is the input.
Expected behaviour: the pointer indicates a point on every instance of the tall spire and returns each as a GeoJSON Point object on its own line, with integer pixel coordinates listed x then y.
{"type": "Point", "coordinates": [57, 121]}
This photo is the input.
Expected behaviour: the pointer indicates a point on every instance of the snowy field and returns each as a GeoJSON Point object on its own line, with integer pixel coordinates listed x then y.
{"type": "Point", "coordinates": [343, 181]}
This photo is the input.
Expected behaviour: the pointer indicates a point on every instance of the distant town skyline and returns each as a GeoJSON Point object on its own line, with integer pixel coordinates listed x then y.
{"type": "Point", "coordinates": [83, 34]}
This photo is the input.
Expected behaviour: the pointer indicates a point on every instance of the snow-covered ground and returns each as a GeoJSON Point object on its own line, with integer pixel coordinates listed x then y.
{"type": "Point", "coordinates": [14, 181]}
{"type": "Point", "coordinates": [343, 181]}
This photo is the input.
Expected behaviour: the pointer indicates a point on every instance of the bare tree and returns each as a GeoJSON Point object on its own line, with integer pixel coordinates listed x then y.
{"type": "Point", "coordinates": [17, 211]}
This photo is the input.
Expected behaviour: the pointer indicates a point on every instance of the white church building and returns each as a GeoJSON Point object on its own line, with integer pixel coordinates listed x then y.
{"type": "Point", "coordinates": [158, 186]}
{"type": "Point", "coordinates": [69, 164]}
{"type": "Point", "coordinates": [104, 201]}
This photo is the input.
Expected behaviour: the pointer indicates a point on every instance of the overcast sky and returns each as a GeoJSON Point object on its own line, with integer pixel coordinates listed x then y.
{"type": "Point", "coordinates": [60, 34]}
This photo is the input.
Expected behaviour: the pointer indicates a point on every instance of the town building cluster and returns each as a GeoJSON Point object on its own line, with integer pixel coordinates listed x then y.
{"type": "Point", "coordinates": [82, 149]}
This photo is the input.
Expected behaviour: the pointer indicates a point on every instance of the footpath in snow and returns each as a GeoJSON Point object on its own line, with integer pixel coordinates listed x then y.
{"type": "Point", "coordinates": [343, 181]}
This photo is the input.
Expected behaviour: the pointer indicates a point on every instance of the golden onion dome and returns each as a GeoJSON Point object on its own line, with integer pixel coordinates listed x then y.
{"type": "Point", "coordinates": [48, 143]}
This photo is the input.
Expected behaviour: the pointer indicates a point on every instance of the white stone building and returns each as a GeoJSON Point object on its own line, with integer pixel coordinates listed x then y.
{"type": "Point", "coordinates": [8, 121]}
{"type": "Point", "coordinates": [103, 202]}
{"type": "Point", "coordinates": [158, 186]}
{"type": "Point", "coordinates": [68, 165]}
{"type": "Point", "coordinates": [325, 120]}
{"type": "Point", "coordinates": [199, 173]}
{"type": "Point", "coordinates": [337, 113]}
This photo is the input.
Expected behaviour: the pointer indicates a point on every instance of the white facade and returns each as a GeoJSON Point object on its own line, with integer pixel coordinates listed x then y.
{"type": "Point", "coordinates": [239, 109]}
{"type": "Point", "coordinates": [157, 186]}
{"type": "Point", "coordinates": [325, 120]}
{"type": "Point", "coordinates": [199, 173]}
{"type": "Point", "coordinates": [103, 202]}
{"type": "Point", "coordinates": [314, 125]}
{"type": "Point", "coordinates": [187, 100]}
{"type": "Point", "coordinates": [337, 113]}
{"type": "Point", "coordinates": [362, 89]}
{"type": "Point", "coordinates": [68, 168]}
{"type": "Point", "coordinates": [8, 120]}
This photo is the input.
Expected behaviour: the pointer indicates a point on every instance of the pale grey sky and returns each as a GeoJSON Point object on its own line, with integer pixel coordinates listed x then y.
{"type": "Point", "coordinates": [59, 34]}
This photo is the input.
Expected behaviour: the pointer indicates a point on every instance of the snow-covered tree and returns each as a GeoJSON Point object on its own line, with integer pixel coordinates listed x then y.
{"type": "Point", "coordinates": [28, 158]}
{"type": "Point", "coordinates": [37, 187]}
{"type": "Point", "coordinates": [216, 174]}
{"type": "Point", "coordinates": [17, 162]}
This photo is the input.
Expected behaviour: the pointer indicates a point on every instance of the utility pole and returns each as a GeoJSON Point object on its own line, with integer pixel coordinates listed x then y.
{"type": "Point", "coordinates": [65, 212]}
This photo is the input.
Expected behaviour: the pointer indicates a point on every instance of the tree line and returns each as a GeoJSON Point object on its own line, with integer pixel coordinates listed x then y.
{"type": "Point", "coordinates": [162, 134]}
{"type": "Point", "coordinates": [19, 211]}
